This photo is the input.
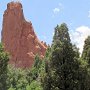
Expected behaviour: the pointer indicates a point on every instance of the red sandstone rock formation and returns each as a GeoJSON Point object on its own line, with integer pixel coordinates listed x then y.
{"type": "Point", "coordinates": [19, 38]}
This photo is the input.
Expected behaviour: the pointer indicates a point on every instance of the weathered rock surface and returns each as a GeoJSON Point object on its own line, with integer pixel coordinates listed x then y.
{"type": "Point", "coordinates": [19, 38]}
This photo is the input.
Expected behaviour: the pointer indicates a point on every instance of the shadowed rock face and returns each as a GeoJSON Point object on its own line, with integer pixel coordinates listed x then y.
{"type": "Point", "coordinates": [19, 38]}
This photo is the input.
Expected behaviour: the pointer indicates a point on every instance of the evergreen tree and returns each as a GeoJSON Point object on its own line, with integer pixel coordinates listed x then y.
{"type": "Point", "coordinates": [4, 58]}
{"type": "Point", "coordinates": [86, 61]}
{"type": "Point", "coordinates": [86, 50]}
{"type": "Point", "coordinates": [16, 78]}
{"type": "Point", "coordinates": [63, 66]}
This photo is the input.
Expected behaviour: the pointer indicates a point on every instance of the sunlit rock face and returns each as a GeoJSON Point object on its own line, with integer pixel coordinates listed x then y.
{"type": "Point", "coordinates": [19, 38]}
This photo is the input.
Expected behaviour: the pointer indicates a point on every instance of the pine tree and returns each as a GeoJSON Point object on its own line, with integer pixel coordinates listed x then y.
{"type": "Point", "coordinates": [4, 58]}
{"type": "Point", "coordinates": [86, 50]}
{"type": "Point", "coordinates": [86, 61]}
{"type": "Point", "coordinates": [63, 66]}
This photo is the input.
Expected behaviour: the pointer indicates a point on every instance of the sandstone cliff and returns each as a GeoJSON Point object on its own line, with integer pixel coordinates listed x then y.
{"type": "Point", "coordinates": [19, 38]}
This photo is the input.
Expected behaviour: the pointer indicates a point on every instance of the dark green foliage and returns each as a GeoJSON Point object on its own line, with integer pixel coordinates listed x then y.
{"type": "Point", "coordinates": [76, 51]}
{"type": "Point", "coordinates": [16, 78]}
{"type": "Point", "coordinates": [33, 75]}
{"type": "Point", "coordinates": [63, 73]}
{"type": "Point", "coordinates": [60, 69]}
{"type": "Point", "coordinates": [86, 59]}
{"type": "Point", "coordinates": [61, 33]}
{"type": "Point", "coordinates": [35, 85]}
{"type": "Point", "coordinates": [22, 79]}
{"type": "Point", "coordinates": [25, 79]}
{"type": "Point", "coordinates": [37, 62]}
{"type": "Point", "coordinates": [4, 58]}
{"type": "Point", "coordinates": [86, 50]}
{"type": "Point", "coordinates": [36, 67]}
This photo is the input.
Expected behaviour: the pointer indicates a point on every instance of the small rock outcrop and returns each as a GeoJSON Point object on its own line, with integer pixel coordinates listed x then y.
{"type": "Point", "coordinates": [19, 38]}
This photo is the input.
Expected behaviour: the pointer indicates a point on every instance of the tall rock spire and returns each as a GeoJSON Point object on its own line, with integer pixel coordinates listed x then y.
{"type": "Point", "coordinates": [19, 38]}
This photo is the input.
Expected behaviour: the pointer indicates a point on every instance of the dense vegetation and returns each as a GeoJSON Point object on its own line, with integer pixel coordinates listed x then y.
{"type": "Point", "coordinates": [62, 68]}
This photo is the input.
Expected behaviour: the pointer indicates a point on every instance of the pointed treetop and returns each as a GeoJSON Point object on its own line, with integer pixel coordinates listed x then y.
{"type": "Point", "coordinates": [61, 33]}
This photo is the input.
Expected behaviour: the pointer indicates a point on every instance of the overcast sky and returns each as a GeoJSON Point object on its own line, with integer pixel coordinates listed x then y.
{"type": "Point", "coordinates": [46, 14]}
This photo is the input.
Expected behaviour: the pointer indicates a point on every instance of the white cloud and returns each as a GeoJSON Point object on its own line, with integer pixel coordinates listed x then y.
{"type": "Point", "coordinates": [79, 35]}
{"type": "Point", "coordinates": [57, 9]}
